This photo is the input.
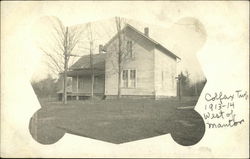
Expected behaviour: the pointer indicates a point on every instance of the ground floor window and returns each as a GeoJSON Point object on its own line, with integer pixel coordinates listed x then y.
{"type": "Point", "coordinates": [125, 78]}
{"type": "Point", "coordinates": [80, 83]}
{"type": "Point", "coordinates": [129, 78]}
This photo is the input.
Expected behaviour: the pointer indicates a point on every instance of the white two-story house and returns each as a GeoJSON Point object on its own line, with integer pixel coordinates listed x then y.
{"type": "Point", "coordinates": [148, 68]}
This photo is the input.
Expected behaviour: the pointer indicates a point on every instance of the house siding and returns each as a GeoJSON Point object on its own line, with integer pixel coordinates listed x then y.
{"type": "Point", "coordinates": [165, 73]}
{"type": "Point", "coordinates": [155, 70]}
{"type": "Point", "coordinates": [142, 63]}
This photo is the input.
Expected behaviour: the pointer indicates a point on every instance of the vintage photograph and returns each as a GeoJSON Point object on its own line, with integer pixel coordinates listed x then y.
{"type": "Point", "coordinates": [124, 79]}
{"type": "Point", "coordinates": [115, 80]}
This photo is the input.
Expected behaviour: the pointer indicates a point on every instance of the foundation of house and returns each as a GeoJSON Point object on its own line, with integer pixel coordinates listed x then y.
{"type": "Point", "coordinates": [131, 96]}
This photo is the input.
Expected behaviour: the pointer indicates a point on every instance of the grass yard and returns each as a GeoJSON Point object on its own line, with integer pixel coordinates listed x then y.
{"type": "Point", "coordinates": [118, 121]}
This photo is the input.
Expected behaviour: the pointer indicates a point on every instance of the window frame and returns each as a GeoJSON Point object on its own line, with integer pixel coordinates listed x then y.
{"type": "Point", "coordinates": [122, 80]}
{"type": "Point", "coordinates": [80, 83]}
{"type": "Point", "coordinates": [129, 79]}
{"type": "Point", "coordinates": [129, 49]}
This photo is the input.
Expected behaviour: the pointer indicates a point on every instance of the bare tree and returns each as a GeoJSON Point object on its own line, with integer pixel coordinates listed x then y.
{"type": "Point", "coordinates": [91, 59]}
{"type": "Point", "coordinates": [90, 39]}
{"type": "Point", "coordinates": [64, 40]}
{"type": "Point", "coordinates": [120, 51]}
{"type": "Point", "coordinates": [124, 49]}
{"type": "Point", "coordinates": [118, 27]}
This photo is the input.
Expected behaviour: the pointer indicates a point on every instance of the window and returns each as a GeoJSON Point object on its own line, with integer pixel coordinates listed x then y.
{"type": "Point", "coordinates": [163, 79]}
{"type": "Point", "coordinates": [125, 78]}
{"type": "Point", "coordinates": [129, 78]}
{"type": "Point", "coordinates": [132, 78]}
{"type": "Point", "coordinates": [80, 83]}
{"type": "Point", "coordinates": [130, 52]}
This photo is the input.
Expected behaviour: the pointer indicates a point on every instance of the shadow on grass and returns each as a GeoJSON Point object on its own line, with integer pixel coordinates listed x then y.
{"type": "Point", "coordinates": [117, 121]}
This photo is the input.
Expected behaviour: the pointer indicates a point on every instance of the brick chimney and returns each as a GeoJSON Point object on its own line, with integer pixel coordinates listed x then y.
{"type": "Point", "coordinates": [146, 31]}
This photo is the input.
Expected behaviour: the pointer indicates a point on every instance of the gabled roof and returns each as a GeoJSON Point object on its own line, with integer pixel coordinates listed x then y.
{"type": "Point", "coordinates": [99, 59]}
{"type": "Point", "coordinates": [84, 62]}
{"type": "Point", "coordinates": [157, 45]}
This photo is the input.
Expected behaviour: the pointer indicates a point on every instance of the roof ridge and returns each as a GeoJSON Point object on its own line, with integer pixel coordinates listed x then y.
{"type": "Point", "coordinates": [147, 37]}
{"type": "Point", "coordinates": [151, 39]}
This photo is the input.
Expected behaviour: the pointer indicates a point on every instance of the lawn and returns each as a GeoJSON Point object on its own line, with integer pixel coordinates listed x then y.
{"type": "Point", "coordinates": [118, 121]}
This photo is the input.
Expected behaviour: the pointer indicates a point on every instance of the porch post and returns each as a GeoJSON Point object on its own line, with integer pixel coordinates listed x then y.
{"type": "Point", "coordinates": [77, 97]}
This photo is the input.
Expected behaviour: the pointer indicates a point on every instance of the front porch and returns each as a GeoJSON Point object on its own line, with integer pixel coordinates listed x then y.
{"type": "Point", "coordinates": [81, 83]}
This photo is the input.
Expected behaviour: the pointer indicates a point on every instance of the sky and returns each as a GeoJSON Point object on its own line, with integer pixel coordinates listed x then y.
{"type": "Point", "coordinates": [182, 38]}
{"type": "Point", "coordinates": [185, 31]}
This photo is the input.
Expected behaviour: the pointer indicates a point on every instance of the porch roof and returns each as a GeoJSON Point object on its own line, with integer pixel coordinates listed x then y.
{"type": "Point", "coordinates": [82, 66]}
{"type": "Point", "coordinates": [84, 62]}
{"type": "Point", "coordinates": [85, 72]}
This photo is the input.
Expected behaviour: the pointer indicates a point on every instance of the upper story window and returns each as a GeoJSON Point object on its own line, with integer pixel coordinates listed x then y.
{"type": "Point", "coordinates": [130, 51]}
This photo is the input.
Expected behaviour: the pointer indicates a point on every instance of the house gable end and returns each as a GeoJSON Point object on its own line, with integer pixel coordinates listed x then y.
{"type": "Point", "coordinates": [166, 52]}
{"type": "Point", "coordinates": [144, 37]}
